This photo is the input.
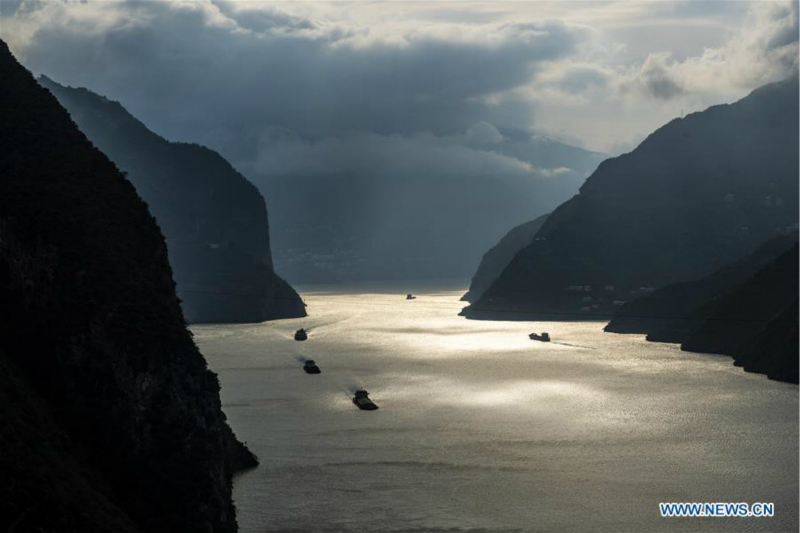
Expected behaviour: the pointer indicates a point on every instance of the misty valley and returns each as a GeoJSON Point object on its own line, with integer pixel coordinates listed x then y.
{"type": "Point", "coordinates": [399, 267]}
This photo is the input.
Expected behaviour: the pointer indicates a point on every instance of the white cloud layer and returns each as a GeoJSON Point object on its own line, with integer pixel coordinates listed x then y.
{"type": "Point", "coordinates": [611, 102]}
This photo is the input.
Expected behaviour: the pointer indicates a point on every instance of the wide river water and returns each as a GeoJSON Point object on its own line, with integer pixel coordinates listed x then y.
{"type": "Point", "coordinates": [482, 430]}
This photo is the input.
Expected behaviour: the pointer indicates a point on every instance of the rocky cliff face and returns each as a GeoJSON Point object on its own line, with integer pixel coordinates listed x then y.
{"type": "Point", "coordinates": [500, 255]}
{"type": "Point", "coordinates": [111, 420]}
{"type": "Point", "coordinates": [696, 194]}
{"type": "Point", "coordinates": [214, 220]}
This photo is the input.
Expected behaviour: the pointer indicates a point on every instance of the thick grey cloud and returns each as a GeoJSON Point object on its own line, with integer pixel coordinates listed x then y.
{"type": "Point", "coordinates": [217, 71]}
{"type": "Point", "coordinates": [657, 81]}
{"type": "Point", "coordinates": [483, 133]}
{"type": "Point", "coordinates": [481, 151]}
{"type": "Point", "coordinates": [600, 73]}
{"type": "Point", "coordinates": [578, 79]}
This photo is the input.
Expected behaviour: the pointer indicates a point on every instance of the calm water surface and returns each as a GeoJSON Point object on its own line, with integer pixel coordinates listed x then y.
{"type": "Point", "coordinates": [481, 429]}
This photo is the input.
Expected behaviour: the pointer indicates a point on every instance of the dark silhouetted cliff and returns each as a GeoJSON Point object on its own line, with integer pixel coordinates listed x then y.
{"type": "Point", "coordinates": [500, 255]}
{"type": "Point", "coordinates": [670, 313]}
{"type": "Point", "coordinates": [110, 420]}
{"type": "Point", "coordinates": [214, 220]}
{"type": "Point", "coordinates": [756, 323]}
{"type": "Point", "coordinates": [773, 350]}
{"type": "Point", "coordinates": [698, 193]}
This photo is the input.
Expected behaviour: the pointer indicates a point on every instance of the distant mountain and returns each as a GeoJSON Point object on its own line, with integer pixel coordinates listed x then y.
{"type": "Point", "coordinates": [696, 194]}
{"type": "Point", "coordinates": [215, 221]}
{"type": "Point", "coordinates": [365, 225]}
{"type": "Point", "coordinates": [110, 420]}
{"type": "Point", "coordinates": [669, 314]}
{"type": "Point", "coordinates": [757, 322]}
{"type": "Point", "coordinates": [544, 152]}
{"type": "Point", "coordinates": [500, 255]}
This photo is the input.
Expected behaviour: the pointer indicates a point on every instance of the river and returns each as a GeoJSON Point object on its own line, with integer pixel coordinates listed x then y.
{"type": "Point", "coordinates": [482, 430]}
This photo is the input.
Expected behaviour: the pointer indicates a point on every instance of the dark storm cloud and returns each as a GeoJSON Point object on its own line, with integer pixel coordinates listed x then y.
{"type": "Point", "coordinates": [226, 71]}
{"type": "Point", "coordinates": [659, 85]}
{"type": "Point", "coordinates": [184, 67]}
{"type": "Point", "coordinates": [657, 80]}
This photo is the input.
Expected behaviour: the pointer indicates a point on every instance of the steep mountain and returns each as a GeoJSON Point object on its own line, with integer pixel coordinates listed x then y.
{"type": "Point", "coordinates": [696, 194]}
{"type": "Point", "coordinates": [672, 312]}
{"type": "Point", "coordinates": [384, 223]}
{"type": "Point", "coordinates": [757, 322]}
{"type": "Point", "coordinates": [214, 220]}
{"type": "Point", "coordinates": [500, 255]}
{"type": "Point", "coordinates": [110, 420]}
{"type": "Point", "coordinates": [773, 350]}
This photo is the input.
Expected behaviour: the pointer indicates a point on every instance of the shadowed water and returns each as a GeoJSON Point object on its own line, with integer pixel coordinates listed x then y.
{"type": "Point", "coordinates": [481, 429]}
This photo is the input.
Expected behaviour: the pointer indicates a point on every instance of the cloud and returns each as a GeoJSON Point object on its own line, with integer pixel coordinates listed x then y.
{"type": "Point", "coordinates": [480, 152]}
{"type": "Point", "coordinates": [764, 50]}
{"type": "Point", "coordinates": [607, 98]}
{"type": "Point", "coordinates": [221, 72]}
{"type": "Point", "coordinates": [201, 65]}
{"type": "Point", "coordinates": [555, 172]}
{"type": "Point", "coordinates": [261, 18]}
{"type": "Point", "coordinates": [483, 133]}
{"type": "Point", "coordinates": [580, 78]}
{"type": "Point", "coordinates": [656, 78]}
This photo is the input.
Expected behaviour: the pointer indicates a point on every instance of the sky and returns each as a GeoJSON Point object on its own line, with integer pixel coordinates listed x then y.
{"type": "Point", "coordinates": [297, 87]}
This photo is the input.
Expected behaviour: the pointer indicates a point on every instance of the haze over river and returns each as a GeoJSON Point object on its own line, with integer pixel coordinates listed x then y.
{"type": "Point", "coordinates": [481, 429]}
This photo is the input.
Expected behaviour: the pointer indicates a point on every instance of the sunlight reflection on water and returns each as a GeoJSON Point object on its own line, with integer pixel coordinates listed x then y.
{"type": "Point", "coordinates": [482, 429]}
{"type": "Point", "coordinates": [531, 393]}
